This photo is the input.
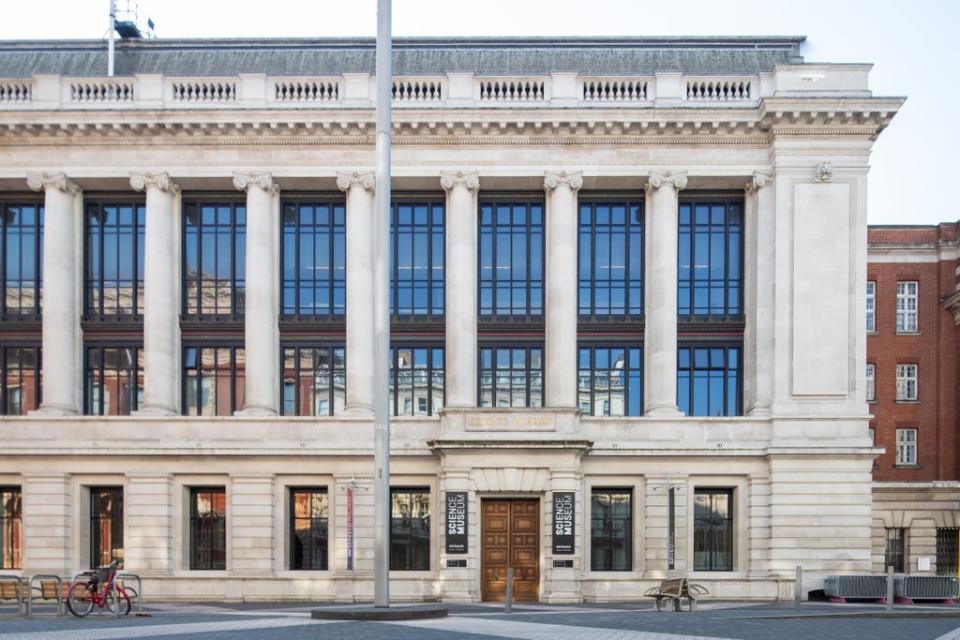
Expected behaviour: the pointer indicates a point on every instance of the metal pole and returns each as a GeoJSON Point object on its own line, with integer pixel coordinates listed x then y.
{"type": "Point", "coordinates": [890, 588]}
{"type": "Point", "coordinates": [508, 605]}
{"type": "Point", "coordinates": [381, 311]}
{"type": "Point", "coordinates": [111, 33]}
{"type": "Point", "coordinates": [798, 589]}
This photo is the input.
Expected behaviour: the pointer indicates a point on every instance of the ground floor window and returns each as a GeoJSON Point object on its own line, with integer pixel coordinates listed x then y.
{"type": "Point", "coordinates": [409, 529]}
{"type": "Point", "coordinates": [314, 380]}
{"type": "Point", "coordinates": [611, 530]}
{"type": "Point", "coordinates": [713, 530]}
{"type": "Point", "coordinates": [208, 528]}
{"type": "Point", "coordinates": [708, 380]}
{"type": "Point", "coordinates": [610, 381]}
{"type": "Point", "coordinates": [948, 562]}
{"type": "Point", "coordinates": [416, 380]}
{"type": "Point", "coordinates": [106, 526]}
{"type": "Point", "coordinates": [11, 528]}
{"type": "Point", "coordinates": [511, 376]}
{"type": "Point", "coordinates": [309, 517]}
{"type": "Point", "coordinates": [213, 380]}
{"type": "Point", "coordinates": [896, 546]}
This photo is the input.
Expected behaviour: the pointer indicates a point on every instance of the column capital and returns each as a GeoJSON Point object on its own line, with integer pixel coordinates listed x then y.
{"type": "Point", "coordinates": [758, 181]}
{"type": "Point", "coordinates": [659, 178]}
{"type": "Point", "coordinates": [469, 179]}
{"type": "Point", "coordinates": [347, 179]}
{"type": "Point", "coordinates": [59, 181]}
{"type": "Point", "coordinates": [243, 181]}
{"type": "Point", "coordinates": [553, 179]}
{"type": "Point", "coordinates": [161, 181]}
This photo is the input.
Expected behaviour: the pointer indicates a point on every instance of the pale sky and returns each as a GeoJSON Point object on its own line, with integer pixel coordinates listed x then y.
{"type": "Point", "coordinates": [911, 43]}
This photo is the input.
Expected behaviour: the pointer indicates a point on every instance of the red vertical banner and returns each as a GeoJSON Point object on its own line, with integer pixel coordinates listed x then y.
{"type": "Point", "coordinates": [349, 528]}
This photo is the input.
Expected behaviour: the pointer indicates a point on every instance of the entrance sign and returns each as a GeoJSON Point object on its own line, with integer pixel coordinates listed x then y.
{"type": "Point", "coordinates": [456, 522]}
{"type": "Point", "coordinates": [563, 522]}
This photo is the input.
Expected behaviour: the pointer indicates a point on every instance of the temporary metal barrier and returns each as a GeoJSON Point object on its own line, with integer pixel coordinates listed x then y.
{"type": "Point", "coordinates": [16, 583]}
{"type": "Point", "coordinates": [910, 588]}
{"type": "Point", "coordinates": [840, 588]}
{"type": "Point", "coordinates": [59, 594]}
{"type": "Point", "coordinates": [139, 593]}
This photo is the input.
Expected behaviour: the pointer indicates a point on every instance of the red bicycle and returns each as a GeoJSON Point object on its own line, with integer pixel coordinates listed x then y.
{"type": "Point", "coordinates": [98, 587]}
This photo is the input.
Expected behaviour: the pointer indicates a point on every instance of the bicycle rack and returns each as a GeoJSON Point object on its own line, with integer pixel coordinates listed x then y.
{"type": "Point", "coordinates": [133, 576]}
{"type": "Point", "coordinates": [61, 611]}
{"type": "Point", "coordinates": [21, 610]}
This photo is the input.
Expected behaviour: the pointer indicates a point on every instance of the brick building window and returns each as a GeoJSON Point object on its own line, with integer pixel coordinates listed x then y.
{"type": "Point", "coordinates": [871, 307]}
{"type": "Point", "coordinates": [895, 550]}
{"type": "Point", "coordinates": [906, 382]}
{"type": "Point", "coordinates": [906, 447]}
{"type": "Point", "coordinates": [871, 383]}
{"type": "Point", "coordinates": [907, 307]}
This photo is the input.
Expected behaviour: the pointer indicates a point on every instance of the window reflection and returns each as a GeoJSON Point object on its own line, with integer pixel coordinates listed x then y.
{"type": "Point", "coordinates": [314, 259]}
{"type": "Point", "coordinates": [114, 260]}
{"type": "Point", "coordinates": [416, 380]}
{"type": "Point", "coordinates": [710, 256]}
{"type": "Point", "coordinates": [20, 379]}
{"type": "Point", "coordinates": [511, 259]}
{"type": "Point", "coordinates": [309, 520]}
{"type": "Point", "coordinates": [610, 381]}
{"type": "Point", "coordinates": [214, 258]}
{"type": "Point", "coordinates": [314, 380]}
{"type": "Point", "coordinates": [213, 379]}
{"type": "Point", "coordinates": [708, 380]}
{"type": "Point", "coordinates": [409, 529]}
{"type": "Point", "coordinates": [611, 258]}
{"type": "Point", "coordinates": [417, 264]}
{"type": "Point", "coordinates": [511, 377]}
{"type": "Point", "coordinates": [21, 226]}
{"type": "Point", "coordinates": [114, 380]}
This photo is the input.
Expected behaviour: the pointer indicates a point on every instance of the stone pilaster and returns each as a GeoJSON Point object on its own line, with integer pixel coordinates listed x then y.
{"type": "Point", "coordinates": [62, 299]}
{"type": "Point", "coordinates": [149, 512]}
{"type": "Point", "coordinates": [660, 301]}
{"type": "Point", "coordinates": [460, 305]}
{"type": "Point", "coordinates": [261, 333]}
{"type": "Point", "coordinates": [563, 584]}
{"type": "Point", "coordinates": [359, 187]}
{"type": "Point", "coordinates": [251, 524]}
{"type": "Point", "coordinates": [461, 584]}
{"type": "Point", "coordinates": [47, 535]}
{"type": "Point", "coordinates": [759, 266]}
{"type": "Point", "coordinates": [560, 308]}
{"type": "Point", "coordinates": [161, 303]}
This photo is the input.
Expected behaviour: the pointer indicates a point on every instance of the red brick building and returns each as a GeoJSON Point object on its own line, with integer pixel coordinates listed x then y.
{"type": "Point", "coordinates": [913, 356]}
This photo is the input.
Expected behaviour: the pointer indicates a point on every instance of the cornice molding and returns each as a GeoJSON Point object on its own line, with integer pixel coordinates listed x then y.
{"type": "Point", "coordinates": [363, 179]}
{"type": "Point", "coordinates": [243, 182]}
{"type": "Point", "coordinates": [657, 179]}
{"type": "Point", "coordinates": [553, 179]}
{"type": "Point", "coordinates": [58, 181]}
{"type": "Point", "coordinates": [469, 179]}
{"type": "Point", "coordinates": [161, 181]}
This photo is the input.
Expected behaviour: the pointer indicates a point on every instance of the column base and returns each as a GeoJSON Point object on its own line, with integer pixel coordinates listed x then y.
{"type": "Point", "coordinates": [53, 410]}
{"type": "Point", "coordinates": [663, 411]}
{"type": "Point", "coordinates": [358, 411]}
{"type": "Point", "coordinates": [759, 411]}
{"type": "Point", "coordinates": [255, 412]}
{"type": "Point", "coordinates": [155, 411]}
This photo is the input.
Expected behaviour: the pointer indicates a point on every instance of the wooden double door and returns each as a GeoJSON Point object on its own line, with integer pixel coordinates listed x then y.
{"type": "Point", "coordinates": [510, 538]}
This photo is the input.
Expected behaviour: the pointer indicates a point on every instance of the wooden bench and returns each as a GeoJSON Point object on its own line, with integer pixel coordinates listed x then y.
{"type": "Point", "coordinates": [12, 589]}
{"type": "Point", "coordinates": [676, 590]}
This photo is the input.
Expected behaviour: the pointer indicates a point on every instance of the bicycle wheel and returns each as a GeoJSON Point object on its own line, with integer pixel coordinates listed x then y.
{"type": "Point", "coordinates": [79, 600]}
{"type": "Point", "coordinates": [118, 602]}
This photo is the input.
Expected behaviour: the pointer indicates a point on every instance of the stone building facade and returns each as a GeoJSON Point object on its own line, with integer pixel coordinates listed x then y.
{"type": "Point", "coordinates": [913, 304]}
{"type": "Point", "coordinates": [628, 331]}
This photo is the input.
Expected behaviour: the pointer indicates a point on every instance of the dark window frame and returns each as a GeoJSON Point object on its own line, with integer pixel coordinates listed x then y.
{"type": "Point", "coordinates": [895, 549]}
{"type": "Point", "coordinates": [433, 285]}
{"type": "Point", "coordinates": [948, 551]}
{"type": "Point", "coordinates": [11, 528]}
{"type": "Point", "coordinates": [138, 232]}
{"type": "Point", "coordinates": [297, 346]}
{"type": "Point", "coordinates": [292, 556]}
{"type": "Point", "coordinates": [233, 345]}
{"type": "Point", "coordinates": [726, 345]}
{"type": "Point", "coordinates": [5, 375]}
{"type": "Point", "coordinates": [527, 346]}
{"type": "Point", "coordinates": [628, 374]}
{"type": "Point", "coordinates": [431, 347]}
{"type": "Point", "coordinates": [416, 553]}
{"type": "Point", "coordinates": [604, 542]}
{"type": "Point", "coordinates": [337, 233]}
{"type": "Point", "coordinates": [88, 386]}
{"type": "Point", "coordinates": [236, 284]}
{"type": "Point", "coordinates": [531, 311]}
{"type": "Point", "coordinates": [116, 522]}
{"type": "Point", "coordinates": [727, 200]}
{"type": "Point", "coordinates": [199, 528]}
{"type": "Point", "coordinates": [715, 524]}
{"type": "Point", "coordinates": [630, 227]}
{"type": "Point", "coordinates": [38, 235]}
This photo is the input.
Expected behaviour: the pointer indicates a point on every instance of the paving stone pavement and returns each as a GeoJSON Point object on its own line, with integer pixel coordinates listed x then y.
{"type": "Point", "coordinates": [715, 621]}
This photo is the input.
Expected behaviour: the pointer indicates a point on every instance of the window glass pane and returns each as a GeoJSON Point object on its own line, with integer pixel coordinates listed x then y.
{"type": "Point", "coordinates": [314, 378]}
{"type": "Point", "coordinates": [610, 381]}
{"type": "Point", "coordinates": [11, 528]}
{"type": "Point", "coordinates": [208, 517]}
{"type": "Point", "coordinates": [21, 258]}
{"type": "Point", "coordinates": [611, 259]}
{"type": "Point", "coordinates": [106, 526]}
{"type": "Point", "coordinates": [214, 258]}
{"type": "Point", "coordinates": [611, 530]}
{"type": "Point", "coordinates": [309, 518]}
{"type": "Point", "coordinates": [114, 380]}
{"type": "Point", "coordinates": [713, 530]}
{"type": "Point", "coordinates": [409, 530]}
{"type": "Point", "coordinates": [511, 250]}
{"type": "Point", "coordinates": [708, 380]}
{"type": "Point", "coordinates": [417, 258]}
{"type": "Point", "coordinates": [213, 380]}
{"type": "Point", "coordinates": [511, 377]}
{"type": "Point", "coordinates": [709, 259]}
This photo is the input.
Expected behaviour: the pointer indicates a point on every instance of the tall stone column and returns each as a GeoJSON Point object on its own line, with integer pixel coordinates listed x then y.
{"type": "Point", "coordinates": [161, 294]}
{"type": "Point", "coordinates": [359, 189]}
{"type": "Point", "coordinates": [460, 306]}
{"type": "Point", "coordinates": [759, 266]}
{"type": "Point", "coordinates": [62, 269]}
{"type": "Point", "coordinates": [261, 333]}
{"type": "Point", "coordinates": [660, 301]}
{"type": "Point", "coordinates": [560, 344]}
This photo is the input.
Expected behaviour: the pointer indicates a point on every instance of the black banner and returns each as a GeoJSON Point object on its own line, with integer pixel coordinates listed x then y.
{"type": "Point", "coordinates": [456, 521]}
{"type": "Point", "coordinates": [563, 522]}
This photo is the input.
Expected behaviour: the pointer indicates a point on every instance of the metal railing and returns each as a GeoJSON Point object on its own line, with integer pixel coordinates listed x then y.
{"type": "Point", "coordinates": [139, 592]}
{"type": "Point", "coordinates": [59, 595]}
